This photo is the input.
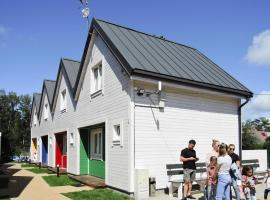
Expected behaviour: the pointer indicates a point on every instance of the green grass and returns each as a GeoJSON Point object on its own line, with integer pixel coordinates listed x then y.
{"type": "Point", "coordinates": [27, 165]}
{"type": "Point", "coordinates": [59, 181]}
{"type": "Point", "coordinates": [98, 194]}
{"type": "Point", "coordinates": [37, 170]}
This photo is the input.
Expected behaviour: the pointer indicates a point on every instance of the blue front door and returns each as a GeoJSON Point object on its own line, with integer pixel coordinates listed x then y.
{"type": "Point", "coordinates": [44, 149]}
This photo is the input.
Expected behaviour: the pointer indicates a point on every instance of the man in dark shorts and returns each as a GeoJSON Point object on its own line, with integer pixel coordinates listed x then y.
{"type": "Point", "coordinates": [188, 157]}
{"type": "Point", "coordinates": [235, 159]}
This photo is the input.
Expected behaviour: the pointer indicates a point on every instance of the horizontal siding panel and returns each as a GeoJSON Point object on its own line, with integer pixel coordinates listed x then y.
{"type": "Point", "coordinates": [184, 118]}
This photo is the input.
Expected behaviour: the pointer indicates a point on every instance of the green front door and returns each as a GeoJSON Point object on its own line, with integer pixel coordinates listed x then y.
{"type": "Point", "coordinates": [92, 152]}
{"type": "Point", "coordinates": [97, 159]}
{"type": "Point", "coordinates": [84, 151]}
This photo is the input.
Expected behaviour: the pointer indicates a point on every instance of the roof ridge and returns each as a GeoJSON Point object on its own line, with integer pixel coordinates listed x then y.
{"type": "Point", "coordinates": [70, 59]}
{"type": "Point", "coordinates": [154, 36]}
{"type": "Point", "coordinates": [49, 80]}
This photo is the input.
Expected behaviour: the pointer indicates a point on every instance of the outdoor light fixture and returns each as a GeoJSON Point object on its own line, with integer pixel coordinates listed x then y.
{"type": "Point", "coordinates": [140, 92]}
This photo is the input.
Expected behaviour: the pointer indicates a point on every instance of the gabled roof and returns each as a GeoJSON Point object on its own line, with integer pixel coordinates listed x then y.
{"type": "Point", "coordinates": [50, 86]}
{"type": "Point", "coordinates": [71, 69]}
{"type": "Point", "coordinates": [147, 55]}
{"type": "Point", "coordinates": [36, 100]}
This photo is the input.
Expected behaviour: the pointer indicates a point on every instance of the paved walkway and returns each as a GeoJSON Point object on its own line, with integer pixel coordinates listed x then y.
{"type": "Point", "coordinates": [26, 185]}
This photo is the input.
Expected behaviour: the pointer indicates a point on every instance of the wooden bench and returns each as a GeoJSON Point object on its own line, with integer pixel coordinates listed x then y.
{"type": "Point", "coordinates": [254, 163]}
{"type": "Point", "coordinates": [176, 170]}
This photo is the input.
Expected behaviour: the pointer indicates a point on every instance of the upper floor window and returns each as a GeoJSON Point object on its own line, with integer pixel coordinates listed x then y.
{"type": "Point", "coordinates": [35, 118]}
{"type": "Point", "coordinates": [63, 100]}
{"type": "Point", "coordinates": [96, 79]}
{"type": "Point", "coordinates": [46, 111]}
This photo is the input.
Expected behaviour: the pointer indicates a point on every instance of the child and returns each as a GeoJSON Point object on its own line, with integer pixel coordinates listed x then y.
{"type": "Point", "coordinates": [211, 184]}
{"type": "Point", "coordinates": [249, 182]}
{"type": "Point", "coordinates": [236, 174]}
{"type": "Point", "coordinates": [267, 184]}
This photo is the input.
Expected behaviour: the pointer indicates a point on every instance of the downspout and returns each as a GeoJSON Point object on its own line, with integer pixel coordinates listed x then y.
{"type": "Point", "coordinates": [240, 126]}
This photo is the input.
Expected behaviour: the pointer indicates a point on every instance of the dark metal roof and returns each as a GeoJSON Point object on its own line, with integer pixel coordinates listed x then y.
{"type": "Point", "coordinates": [72, 69]}
{"type": "Point", "coordinates": [148, 55]}
{"type": "Point", "coordinates": [36, 100]}
{"type": "Point", "coordinates": [50, 86]}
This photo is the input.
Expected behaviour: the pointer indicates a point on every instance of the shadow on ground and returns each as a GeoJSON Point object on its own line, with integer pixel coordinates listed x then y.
{"type": "Point", "coordinates": [16, 184]}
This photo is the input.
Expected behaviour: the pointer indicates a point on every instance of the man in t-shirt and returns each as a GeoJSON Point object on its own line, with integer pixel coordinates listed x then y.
{"type": "Point", "coordinates": [188, 157]}
{"type": "Point", "coordinates": [235, 159]}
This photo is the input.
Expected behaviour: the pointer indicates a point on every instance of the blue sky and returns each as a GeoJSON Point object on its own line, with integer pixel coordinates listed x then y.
{"type": "Point", "coordinates": [34, 35]}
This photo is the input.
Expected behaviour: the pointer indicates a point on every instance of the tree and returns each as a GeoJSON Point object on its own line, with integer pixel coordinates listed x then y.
{"type": "Point", "coordinates": [15, 123]}
{"type": "Point", "coordinates": [249, 141]}
{"type": "Point", "coordinates": [262, 124]}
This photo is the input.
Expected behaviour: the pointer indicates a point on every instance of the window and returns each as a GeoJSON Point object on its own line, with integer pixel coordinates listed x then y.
{"type": "Point", "coordinates": [97, 144]}
{"type": "Point", "coordinates": [63, 103]}
{"type": "Point", "coordinates": [71, 141]}
{"type": "Point", "coordinates": [35, 118]}
{"type": "Point", "coordinates": [117, 133]}
{"type": "Point", "coordinates": [46, 112]}
{"type": "Point", "coordinates": [96, 79]}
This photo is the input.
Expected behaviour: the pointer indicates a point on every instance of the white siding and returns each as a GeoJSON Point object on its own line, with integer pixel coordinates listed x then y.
{"type": "Point", "coordinates": [35, 133]}
{"type": "Point", "coordinates": [261, 155]}
{"type": "Point", "coordinates": [110, 106]}
{"type": "Point", "coordinates": [160, 136]}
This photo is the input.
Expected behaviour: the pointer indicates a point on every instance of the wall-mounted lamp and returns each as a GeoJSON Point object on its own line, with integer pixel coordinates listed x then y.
{"type": "Point", "coordinates": [140, 92]}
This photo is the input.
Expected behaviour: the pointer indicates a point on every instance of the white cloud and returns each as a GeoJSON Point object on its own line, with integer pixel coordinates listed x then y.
{"type": "Point", "coordinates": [3, 30]}
{"type": "Point", "coordinates": [259, 51]}
{"type": "Point", "coordinates": [259, 106]}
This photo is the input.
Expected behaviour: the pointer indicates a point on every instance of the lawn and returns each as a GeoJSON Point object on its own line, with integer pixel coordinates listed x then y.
{"type": "Point", "coordinates": [38, 170]}
{"type": "Point", "coordinates": [98, 194]}
{"type": "Point", "coordinates": [27, 165]}
{"type": "Point", "coordinates": [59, 181]}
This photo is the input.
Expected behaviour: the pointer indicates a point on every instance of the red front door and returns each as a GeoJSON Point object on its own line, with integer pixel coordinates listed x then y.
{"type": "Point", "coordinates": [61, 150]}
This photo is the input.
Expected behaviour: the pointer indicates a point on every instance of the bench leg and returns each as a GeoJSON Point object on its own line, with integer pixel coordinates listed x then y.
{"type": "Point", "coordinates": [180, 191]}
{"type": "Point", "coordinates": [171, 190]}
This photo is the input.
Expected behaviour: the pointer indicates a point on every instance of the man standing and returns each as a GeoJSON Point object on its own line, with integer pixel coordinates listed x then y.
{"type": "Point", "coordinates": [188, 157]}
{"type": "Point", "coordinates": [236, 160]}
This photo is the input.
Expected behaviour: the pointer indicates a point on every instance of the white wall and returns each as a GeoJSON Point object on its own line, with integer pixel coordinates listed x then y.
{"type": "Point", "coordinates": [160, 136]}
{"type": "Point", "coordinates": [261, 155]}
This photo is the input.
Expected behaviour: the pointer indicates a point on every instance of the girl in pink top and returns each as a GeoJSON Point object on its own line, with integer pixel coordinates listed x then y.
{"type": "Point", "coordinates": [211, 184]}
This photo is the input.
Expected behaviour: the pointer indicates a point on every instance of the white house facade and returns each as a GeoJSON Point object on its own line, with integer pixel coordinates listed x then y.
{"type": "Point", "coordinates": [133, 102]}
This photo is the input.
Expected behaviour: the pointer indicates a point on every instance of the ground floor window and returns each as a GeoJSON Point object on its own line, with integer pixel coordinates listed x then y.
{"type": "Point", "coordinates": [96, 143]}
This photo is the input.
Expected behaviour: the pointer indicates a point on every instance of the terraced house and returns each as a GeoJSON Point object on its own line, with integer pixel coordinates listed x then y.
{"type": "Point", "coordinates": [132, 102]}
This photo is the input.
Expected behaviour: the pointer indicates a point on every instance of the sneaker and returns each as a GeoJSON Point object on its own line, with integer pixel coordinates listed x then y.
{"type": "Point", "coordinates": [191, 197]}
{"type": "Point", "coordinates": [184, 198]}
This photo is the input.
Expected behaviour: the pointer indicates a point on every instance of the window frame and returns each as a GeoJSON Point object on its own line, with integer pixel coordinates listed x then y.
{"type": "Point", "coordinates": [97, 83]}
{"type": "Point", "coordinates": [63, 101]}
{"type": "Point", "coordinates": [46, 111]}
{"type": "Point", "coordinates": [99, 136]}
{"type": "Point", "coordinates": [117, 140]}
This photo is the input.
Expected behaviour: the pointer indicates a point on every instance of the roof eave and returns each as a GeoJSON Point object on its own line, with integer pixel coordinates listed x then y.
{"type": "Point", "coordinates": [241, 93]}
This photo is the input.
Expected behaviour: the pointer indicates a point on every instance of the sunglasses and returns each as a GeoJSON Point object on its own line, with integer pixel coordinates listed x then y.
{"type": "Point", "coordinates": [231, 148]}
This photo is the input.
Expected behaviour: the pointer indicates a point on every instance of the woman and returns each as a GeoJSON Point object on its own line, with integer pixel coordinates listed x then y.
{"type": "Point", "coordinates": [224, 179]}
{"type": "Point", "coordinates": [214, 152]}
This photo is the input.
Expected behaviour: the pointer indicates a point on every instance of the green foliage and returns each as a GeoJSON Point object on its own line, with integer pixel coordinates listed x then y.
{"type": "Point", "coordinates": [15, 123]}
{"type": "Point", "coordinates": [249, 141]}
{"type": "Point", "coordinates": [27, 165]}
{"type": "Point", "coordinates": [98, 194]}
{"type": "Point", "coordinates": [37, 170]}
{"type": "Point", "coordinates": [262, 124]}
{"type": "Point", "coordinates": [62, 180]}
